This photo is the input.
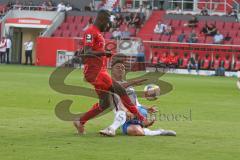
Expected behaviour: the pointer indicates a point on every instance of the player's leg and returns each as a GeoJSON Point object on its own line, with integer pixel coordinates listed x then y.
{"type": "Point", "coordinates": [121, 92]}
{"type": "Point", "coordinates": [119, 120]}
{"type": "Point", "coordinates": [135, 130]}
{"type": "Point", "coordinates": [104, 103]}
{"type": "Point", "coordinates": [159, 132]}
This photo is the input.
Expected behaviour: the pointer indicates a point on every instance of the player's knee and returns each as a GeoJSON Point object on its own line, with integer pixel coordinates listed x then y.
{"type": "Point", "coordinates": [135, 131]}
{"type": "Point", "coordinates": [139, 132]}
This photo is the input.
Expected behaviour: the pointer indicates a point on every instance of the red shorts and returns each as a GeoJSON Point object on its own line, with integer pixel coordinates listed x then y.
{"type": "Point", "coordinates": [102, 82]}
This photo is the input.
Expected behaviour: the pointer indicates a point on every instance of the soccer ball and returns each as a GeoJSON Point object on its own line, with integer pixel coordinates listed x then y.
{"type": "Point", "coordinates": [151, 92]}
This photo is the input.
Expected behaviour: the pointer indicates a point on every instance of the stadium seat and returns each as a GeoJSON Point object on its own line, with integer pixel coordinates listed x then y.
{"type": "Point", "coordinates": [165, 38]}
{"type": "Point", "coordinates": [156, 37]}
{"type": "Point", "coordinates": [132, 31]}
{"type": "Point", "coordinates": [78, 19]}
{"type": "Point", "coordinates": [70, 19]}
{"type": "Point", "coordinates": [220, 25]}
{"type": "Point", "coordinates": [228, 25]}
{"type": "Point", "coordinates": [66, 33]}
{"type": "Point", "coordinates": [108, 35]}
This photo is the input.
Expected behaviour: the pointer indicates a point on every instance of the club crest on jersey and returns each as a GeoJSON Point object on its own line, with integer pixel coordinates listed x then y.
{"type": "Point", "coordinates": [89, 38]}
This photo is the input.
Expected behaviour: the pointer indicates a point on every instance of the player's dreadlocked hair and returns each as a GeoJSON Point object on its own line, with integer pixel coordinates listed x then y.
{"type": "Point", "coordinates": [103, 20]}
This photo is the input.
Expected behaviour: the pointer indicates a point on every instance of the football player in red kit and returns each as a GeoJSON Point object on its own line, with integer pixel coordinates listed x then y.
{"type": "Point", "coordinates": [95, 72]}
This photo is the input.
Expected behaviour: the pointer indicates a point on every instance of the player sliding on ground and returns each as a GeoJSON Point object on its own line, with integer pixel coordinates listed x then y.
{"type": "Point", "coordinates": [132, 126]}
{"type": "Point", "coordinates": [95, 72]}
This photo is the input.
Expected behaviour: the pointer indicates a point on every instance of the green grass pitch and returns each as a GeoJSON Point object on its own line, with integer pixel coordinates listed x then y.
{"type": "Point", "coordinates": [29, 129]}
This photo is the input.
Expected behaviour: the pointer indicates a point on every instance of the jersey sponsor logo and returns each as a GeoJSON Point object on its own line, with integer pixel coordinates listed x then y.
{"type": "Point", "coordinates": [88, 38]}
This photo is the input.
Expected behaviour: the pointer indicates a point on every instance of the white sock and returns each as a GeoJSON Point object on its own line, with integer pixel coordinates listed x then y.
{"type": "Point", "coordinates": [119, 120]}
{"type": "Point", "coordinates": [148, 132]}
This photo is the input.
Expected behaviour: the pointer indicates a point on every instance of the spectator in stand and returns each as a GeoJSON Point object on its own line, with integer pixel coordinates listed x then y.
{"type": "Point", "coordinates": [117, 34]}
{"type": "Point", "coordinates": [30, 3]}
{"type": "Point", "coordinates": [160, 27]}
{"type": "Point", "coordinates": [168, 30]}
{"type": "Point", "coordinates": [117, 9]}
{"type": "Point", "coordinates": [211, 30]}
{"type": "Point", "coordinates": [17, 5]}
{"type": "Point", "coordinates": [155, 60]}
{"type": "Point", "coordinates": [136, 22]}
{"type": "Point", "coordinates": [193, 37]}
{"type": "Point", "coordinates": [204, 12]}
{"type": "Point", "coordinates": [10, 4]}
{"type": "Point", "coordinates": [119, 19]}
{"type": "Point", "coordinates": [50, 6]}
{"type": "Point", "coordinates": [142, 13]}
{"type": "Point", "coordinates": [234, 13]}
{"type": "Point", "coordinates": [193, 63]}
{"type": "Point", "coordinates": [204, 29]}
{"type": "Point", "coordinates": [177, 10]}
{"type": "Point", "coordinates": [163, 60]}
{"type": "Point", "coordinates": [3, 48]}
{"type": "Point", "coordinates": [91, 6]}
{"type": "Point", "coordinates": [129, 19]}
{"type": "Point", "coordinates": [192, 23]}
{"type": "Point", "coordinates": [68, 7]}
{"type": "Point", "coordinates": [172, 60]}
{"type": "Point", "coordinates": [126, 34]}
{"type": "Point", "coordinates": [114, 23]}
{"type": "Point", "coordinates": [43, 6]}
{"type": "Point", "coordinates": [218, 38]}
{"type": "Point", "coordinates": [181, 37]}
{"type": "Point", "coordinates": [161, 2]}
{"type": "Point", "coordinates": [61, 7]}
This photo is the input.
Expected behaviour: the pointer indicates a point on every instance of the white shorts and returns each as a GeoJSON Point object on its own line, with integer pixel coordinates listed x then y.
{"type": "Point", "coordinates": [116, 103]}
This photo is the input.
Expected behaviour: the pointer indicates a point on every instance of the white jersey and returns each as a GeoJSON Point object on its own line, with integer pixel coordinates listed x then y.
{"type": "Point", "coordinates": [116, 102]}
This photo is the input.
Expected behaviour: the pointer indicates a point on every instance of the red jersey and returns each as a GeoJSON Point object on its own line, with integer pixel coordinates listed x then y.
{"type": "Point", "coordinates": [93, 65]}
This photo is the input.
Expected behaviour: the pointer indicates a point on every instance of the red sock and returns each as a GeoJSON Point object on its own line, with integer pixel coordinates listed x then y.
{"type": "Point", "coordinates": [93, 112]}
{"type": "Point", "coordinates": [131, 107]}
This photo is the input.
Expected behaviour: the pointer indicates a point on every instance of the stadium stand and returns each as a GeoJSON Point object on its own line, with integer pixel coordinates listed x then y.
{"type": "Point", "coordinates": [210, 56]}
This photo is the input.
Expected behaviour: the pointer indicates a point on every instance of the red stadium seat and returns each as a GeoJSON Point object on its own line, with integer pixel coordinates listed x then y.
{"type": "Point", "coordinates": [108, 35]}
{"type": "Point", "coordinates": [66, 33]}
{"type": "Point", "coordinates": [156, 37]}
{"type": "Point", "coordinates": [165, 38]}
{"type": "Point", "coordinates": [70, 19]}
{"type": "Point", "coordinates": [219, 25]}
{"type": "Point", "coordinates": [228, 25]}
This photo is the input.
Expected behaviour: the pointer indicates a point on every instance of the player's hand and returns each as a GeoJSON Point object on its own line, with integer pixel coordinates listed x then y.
{"type": "Point", "coordinates": [130, 116]}
{"type": "Point", "coordinates": [152, 109]}
{"type": "Point", "coordinates": [108, 53]}
{"type": "Point", "coordinates": [146, 123]}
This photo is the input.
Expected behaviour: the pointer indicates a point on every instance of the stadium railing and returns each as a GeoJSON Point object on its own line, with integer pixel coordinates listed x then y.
{"type": "Point", "coordinates": [219, 7]}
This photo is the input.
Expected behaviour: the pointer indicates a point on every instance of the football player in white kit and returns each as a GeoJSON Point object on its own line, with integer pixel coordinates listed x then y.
{"type": "Point", "coordinates": [130, 125]}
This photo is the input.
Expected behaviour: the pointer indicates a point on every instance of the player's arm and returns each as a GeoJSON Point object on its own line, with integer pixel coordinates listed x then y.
{"type": "Point", "coordinates": [133, 83]}
{"type": "Point", "coordinates": [88, 51]}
